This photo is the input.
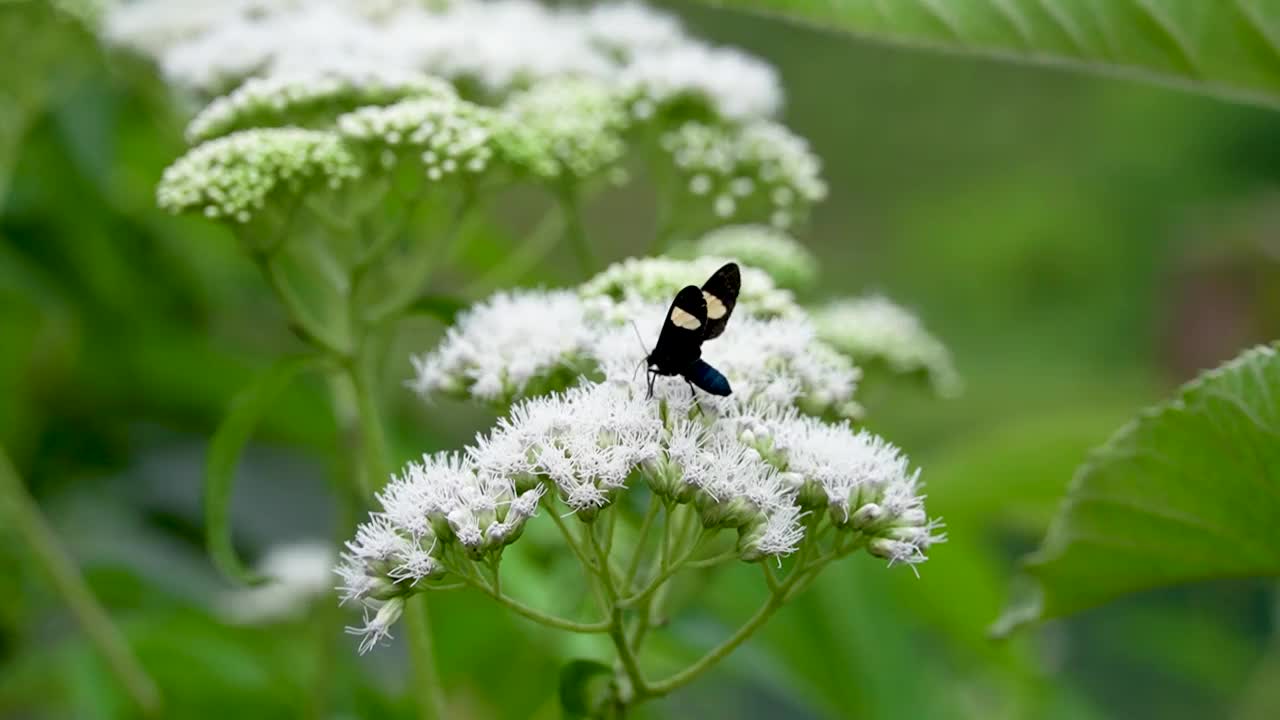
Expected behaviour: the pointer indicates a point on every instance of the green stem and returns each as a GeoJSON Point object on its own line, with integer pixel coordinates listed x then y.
{"type": "Point", "coordinates": [66, 579]}
{"type": "Point", "coordinates": [627, 656]}
{"type": "Point", "coordinates": [314, 331]}
{"type": "Point", "coordinates": [770, 606]}
{"type": "Point", "coordinates": [428, 693]}
{"type": "Point", "coordinates": [634, 566]}
{"type": "Point", "coordinates": [575, 231]}
{"type": "Point", "coordinates": [667, 572]}
{"type": "Point", "coordinates": [373, 438]}
{"type": "Point", "coordinates": [522, 258]}
{"type": "Point", "coordinates": [535, 615]}
{"type": "Point", "coordinates": [569, 540]}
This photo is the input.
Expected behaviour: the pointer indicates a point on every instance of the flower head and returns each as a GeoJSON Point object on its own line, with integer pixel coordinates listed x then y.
{"type": "Point", "coordinates": [759, 169]}
{"type": "Point", "coordinates": [864, 481]}
{"type": "Point", "coordinates": [586, 441]}
{"type": "Point", "coordinates": [629, 29]}
{"type": "Point", "coordinates": [789, 263]}
{"type": "Point", "coordinates": [440, 502]}
{"type": "Point", "coordinates": [731, 84]}
{"type": "Point", "coordinates": [446, 134]}
{"type": "Point", "coordinates": [309, 97]}
{"type": "Point", "coordinates": [873, 330]}
{"type": "Point", "coordinates": [564, 127]}
{"type": "Point", "coordinates": [232, 177]}
{"type": "Point", "coordinates": [514, 343]}
{"type": "Point", "coordinates": [658, 279]}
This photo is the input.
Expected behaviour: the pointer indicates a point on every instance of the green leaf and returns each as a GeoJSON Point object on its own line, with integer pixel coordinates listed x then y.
{"type": "Point", "coordinates": [1188, 491]}
{"type": "Point", "coordinates": [246, 409]}
{"type": "Point", "coordinates": [1229, 48]}
{"type": "Point", "coordinates": [584, 688]}
{"type": "Point", "coordinates": [441, 307]}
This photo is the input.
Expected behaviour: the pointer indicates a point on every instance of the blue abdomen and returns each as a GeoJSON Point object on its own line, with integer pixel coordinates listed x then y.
{"type": "Point", "coordinates": [708, 378]}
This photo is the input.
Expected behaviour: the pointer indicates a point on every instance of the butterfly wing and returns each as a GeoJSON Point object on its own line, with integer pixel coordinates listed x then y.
{"type": "Point", "coordinates": [720, 294]}
{"type": "Point", "coordinates": [680, 342]}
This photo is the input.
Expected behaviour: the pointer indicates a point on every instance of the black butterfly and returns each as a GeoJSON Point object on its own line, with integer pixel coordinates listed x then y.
{"type": "Point", "coordinates": [696, 315]}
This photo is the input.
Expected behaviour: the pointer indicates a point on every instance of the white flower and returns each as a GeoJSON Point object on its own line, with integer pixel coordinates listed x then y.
{"type": "Point", "coordinates": [446, 134]}
{"type": "Point", "coordinates": [301, 97]}
{"type": "Point", "coordinates": [501, 347]}
{"type": "Point", "coordinates": [760, 169]}
{"type": "Point", "coordinates": [658, 279]}
{"type": "Point", "coordinates": [775, 361]}
{"type": "Point", "coordinates": [734, 85]}
{"type": "Point", "coordinates": [501, 46]}
{"type": "Point", "coordinates": [296, 574]}
{"type": "Point", "coordinates": [564, 127]}
{"type": "Point", "coordinates": [232, 177]}
{"type": "Point", "coordinates": [586, 441]}
{"type": "Point", "coordinates": [873, 329]}
{"type": "Point", "coordinates": [630, 29]}
{"type": "Point", "coordinates": [865, 481]}
{"type": "Point", "coordinates": [789, 263]}
{"type": "Point", "coordinates": [440, 501]}
{"type": "Point", "coordinates": [378, 628]}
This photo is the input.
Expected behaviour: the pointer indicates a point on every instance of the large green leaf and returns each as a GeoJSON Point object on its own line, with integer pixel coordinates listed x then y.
{"type": "Point", "coordinates": [1226, 47]}
{"type": "Point", "coordinates": [246, 409]}
{"type": "Point", "coordinates": [1188, 491]}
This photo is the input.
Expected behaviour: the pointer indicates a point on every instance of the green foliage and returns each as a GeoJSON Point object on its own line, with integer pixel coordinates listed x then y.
{"type": "Point", "coordinates": [1189, 491]}
{"type": "Point", "coordinates": [1230, 49]}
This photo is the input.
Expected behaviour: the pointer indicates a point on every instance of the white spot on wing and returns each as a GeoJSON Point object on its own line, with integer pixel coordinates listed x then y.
{"type": "Point", "coordinates": [681, 318]}
{"type": "Point", "coordinates": [715, 308]}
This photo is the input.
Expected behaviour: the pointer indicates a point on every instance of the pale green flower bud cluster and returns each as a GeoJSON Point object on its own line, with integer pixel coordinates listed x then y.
{"type": "Point", "coordinates": [567, 127]}
{"type": "Point", "coordinates": [756, 170]}
{"type": "Point", "coordinates": [308, 98]}
{"type": "Point", "coordinates": [658, 279]}
{"type": "Point", "coordinates": [233, 177]}
{"type": "Point", "coordinates": [449, 136]}
{"type": "Point", "coordinates": [789, 263]}
{"type": "Point", "coordinates": [874, 330]}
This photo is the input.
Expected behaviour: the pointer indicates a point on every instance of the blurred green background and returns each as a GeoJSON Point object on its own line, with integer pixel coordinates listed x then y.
{"type": "Point", "coordinates": [1082, 244]}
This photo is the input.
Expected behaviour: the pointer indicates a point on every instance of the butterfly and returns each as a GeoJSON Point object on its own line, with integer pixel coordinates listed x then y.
{"type": "Point", "coordinates": [696, 315]}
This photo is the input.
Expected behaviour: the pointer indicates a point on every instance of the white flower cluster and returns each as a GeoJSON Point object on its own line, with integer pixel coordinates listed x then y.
{"type": "Point", "coordinates": [658, 279]}
{"type": "Point", "coordinates": [756, 169]}
{"type": "Point", "coordinates": [527, 343]}
{"type": "Point", "coordinates": [499, 46]}
{"type": "Point", "coordinates": [448, 134]}
{"type": "Point", "coordinates": [303, 97]}
{"type": "Point", "coordinates": [752, 463]}
{"type": "Point", "coordinates": [777, 361]}
{"type": "Point", "coordinates": [232, 177]}
{"type": "Point", "coordinates": [564, 127]}
{"type": "Point", "coordinates": [431, 508]}
{"type": "Point", "coordinates": [731, 83]}
{"type": "Point", "coordinates": [873, 329]}
{"type": "Point", "coordinates": [512, 344]}
{"type": "Point", "coordinates": [789, 263]}
{"type": "Point", "coordinates": [586, 441]}
{"type": "Point", "coordinates": [864, 481]}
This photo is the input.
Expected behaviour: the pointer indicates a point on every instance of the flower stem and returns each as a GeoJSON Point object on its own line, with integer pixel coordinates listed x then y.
{"type": "Point", "coordinates": [575, 231]}
{"type": "Point", "coordinates": [770, 606]}
{"type": "Point", "coordinates": [533, 614]}
{"type": "Point", "coordinates": [428, 693]}
{"type": "Point", "coordinates": [650, 514]}
{"type": "Point", "coordinates": [66, 579]}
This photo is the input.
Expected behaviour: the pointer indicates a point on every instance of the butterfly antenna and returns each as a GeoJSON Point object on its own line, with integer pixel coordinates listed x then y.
{"type": "Point", "coordinates": [644, 353]}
